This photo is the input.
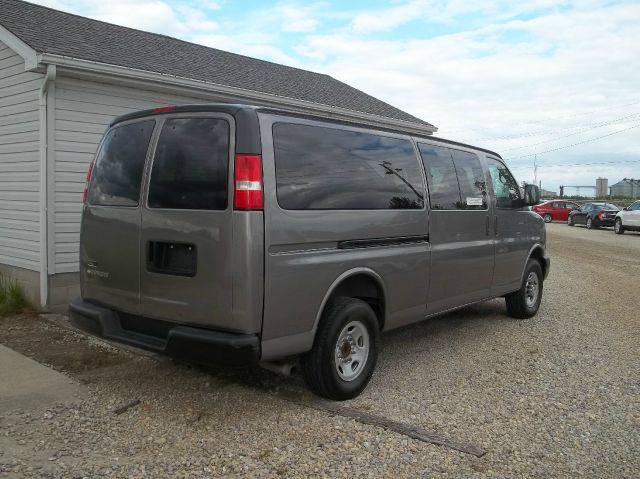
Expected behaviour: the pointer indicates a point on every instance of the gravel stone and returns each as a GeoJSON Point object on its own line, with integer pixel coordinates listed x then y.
{"type": "Point", "coordinates": [553, 396]}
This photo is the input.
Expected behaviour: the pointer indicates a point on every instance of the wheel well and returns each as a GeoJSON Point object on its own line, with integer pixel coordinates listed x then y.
{"type": "Point", "coordinates": [537, 255]}
{"type": "Point", "coordinates": [365, 288]}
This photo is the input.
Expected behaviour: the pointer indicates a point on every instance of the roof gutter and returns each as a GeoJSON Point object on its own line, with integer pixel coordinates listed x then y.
{"type": "Point", "coordinates": [48, 79]}
{"type": "Point", "coordinates": [234, 93]}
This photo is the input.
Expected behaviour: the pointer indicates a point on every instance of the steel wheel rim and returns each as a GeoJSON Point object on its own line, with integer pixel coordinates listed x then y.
{"type": "Point", "coordinates": [532, 289]}
{"type": "Point", "coordinates": [548, 218]}
{"type": "Point", "coordinates": [352, 350]}
{"type": "Point", "coordinates": [589, 223]}
{"type": "Point", "coordinates": [616, 226]}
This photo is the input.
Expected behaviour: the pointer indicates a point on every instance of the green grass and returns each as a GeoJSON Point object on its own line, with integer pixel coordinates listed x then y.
{"type": "Point", "coordinates": [12, 298]}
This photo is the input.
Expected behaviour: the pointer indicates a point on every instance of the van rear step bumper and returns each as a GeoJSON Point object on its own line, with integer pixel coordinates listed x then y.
{"type": "Point", "coordinates": [198, 345]}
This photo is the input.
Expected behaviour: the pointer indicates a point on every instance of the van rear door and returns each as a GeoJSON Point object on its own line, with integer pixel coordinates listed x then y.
{"type": "Point", "coordinates": [109, 246]}
{"type": "Point", "coordinates": [186, 225]}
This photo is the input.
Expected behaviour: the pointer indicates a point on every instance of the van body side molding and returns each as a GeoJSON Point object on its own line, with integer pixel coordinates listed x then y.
{"type": "Point", "coordinates": [390, 241]}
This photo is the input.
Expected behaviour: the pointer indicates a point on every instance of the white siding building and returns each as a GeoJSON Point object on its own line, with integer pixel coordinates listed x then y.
{"type": "Point", "coordinates": [63, 78]}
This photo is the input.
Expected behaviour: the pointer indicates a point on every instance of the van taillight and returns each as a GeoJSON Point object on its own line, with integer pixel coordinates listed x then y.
{"type": "Point", "coordinates": [85, 195]}
{"type": "Point", "coordinates": [248, 183]}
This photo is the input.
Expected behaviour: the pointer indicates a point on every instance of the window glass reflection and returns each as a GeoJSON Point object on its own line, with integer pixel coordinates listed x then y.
{"type": "Point", "coordinates": [328, 168]}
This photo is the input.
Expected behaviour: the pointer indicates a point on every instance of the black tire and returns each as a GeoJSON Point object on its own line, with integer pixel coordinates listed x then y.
{"type": "Point", "coordinates": [319, 366]}
{"type": "Point", "coordinates": [570, 221]}
{"type": "Point", "coordinates": [517, 304]}
{"type": "Point", "coordinates": [547, 218]}
{"type": "Point", "coordinates": [617, 227]}
{"type": "Point", "coordinates": [590, 224]}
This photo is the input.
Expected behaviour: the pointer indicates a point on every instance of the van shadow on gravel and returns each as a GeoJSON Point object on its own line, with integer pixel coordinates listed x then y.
{"type": "Point", "coordinates": [57, 344]}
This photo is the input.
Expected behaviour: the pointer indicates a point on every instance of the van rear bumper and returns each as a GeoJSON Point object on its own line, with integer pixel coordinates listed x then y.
{"type": "Point", "coordinates": [198, 345]}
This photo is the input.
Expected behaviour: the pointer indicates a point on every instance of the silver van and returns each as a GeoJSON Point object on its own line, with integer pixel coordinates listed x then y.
{"type": "Point", "coordinates": [238, 234]}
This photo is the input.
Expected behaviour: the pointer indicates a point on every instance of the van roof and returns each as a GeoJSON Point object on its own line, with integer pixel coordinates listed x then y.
{"type": "Point", "coordinates": [233, 109]}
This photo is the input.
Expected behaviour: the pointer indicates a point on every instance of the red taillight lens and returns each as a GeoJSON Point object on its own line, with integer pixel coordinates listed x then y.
{"type": "Point", "coordinates": [600, 214]}
{"type": "Point", "coordinates": [85, 195]}
{"type": "Point", "coordinates": [248, 183]}
{"type": "Point", "coordinates": [164, 109]}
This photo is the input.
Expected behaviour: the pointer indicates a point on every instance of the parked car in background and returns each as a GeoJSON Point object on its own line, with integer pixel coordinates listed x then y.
{"type": "Point", "coordinates": [555, 210]}
{"type": "Point", "coordinates": [628, 219]}
{"type": "Point", "coordinates": [594, 215]}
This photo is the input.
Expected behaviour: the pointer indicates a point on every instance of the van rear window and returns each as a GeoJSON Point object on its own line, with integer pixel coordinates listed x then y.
{"type": "Point", "coordinates": [321, 168]}
{"type": "Point", "coordinates": [118, 170]}
{"type": "Point", "coordinates": [191, 164]}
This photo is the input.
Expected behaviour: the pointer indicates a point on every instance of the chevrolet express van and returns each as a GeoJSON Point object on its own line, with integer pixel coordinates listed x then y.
{"type": "Point", "coordinates": [238, 234]}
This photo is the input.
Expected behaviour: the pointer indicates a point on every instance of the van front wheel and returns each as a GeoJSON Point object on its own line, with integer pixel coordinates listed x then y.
{"type": "Point", "coordinates": [524, 303]}
{"type": "Point", "coordinates": [345, 350]}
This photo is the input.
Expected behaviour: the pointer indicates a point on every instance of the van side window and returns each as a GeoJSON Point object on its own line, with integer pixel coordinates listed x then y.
{"type": "Point", "coordinates": [473, 185]}
{"type": "Point", "coordinates": [118, 169]}
{"type": "Point", "coordinates": [505, 187]}
{"type": "Point", "coordinates": [190, 165]}
{"type": "Point", "coordinates": [329, 168]}
{"type": "Point", "coordinates": [444, 192]}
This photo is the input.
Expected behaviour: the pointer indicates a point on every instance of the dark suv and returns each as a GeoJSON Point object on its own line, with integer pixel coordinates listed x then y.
{"type": "Point", "coordinates": [594, 215]}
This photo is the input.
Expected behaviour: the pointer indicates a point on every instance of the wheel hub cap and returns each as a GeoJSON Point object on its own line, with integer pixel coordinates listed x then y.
{"type": "Point", "coordinates": [531, 289]}
{"type": "Point", "coordinates": [351, 351]}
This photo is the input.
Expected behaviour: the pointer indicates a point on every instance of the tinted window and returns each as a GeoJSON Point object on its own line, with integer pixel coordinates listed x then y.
{"type": "Point", "coordinates": [636, 206]}
{"type": "Point", "coordinates": [558, 204]}
{"type": "Point", "coordinates": [505, 187]}
{"type": "Point", "coordinates": [327, 168]}
{"type": "Point", "coordinates": [118, 169]}
{"type": "Point", "coordinates": [190, 165]}
{"type": "Point", "coordinates": [473, 186]}
{"type": "Point", "coordinates": [444, 193]}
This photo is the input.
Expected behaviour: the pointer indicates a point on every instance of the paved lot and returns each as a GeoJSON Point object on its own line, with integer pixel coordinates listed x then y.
{"type": "Point", "coordinates": [554, 396]}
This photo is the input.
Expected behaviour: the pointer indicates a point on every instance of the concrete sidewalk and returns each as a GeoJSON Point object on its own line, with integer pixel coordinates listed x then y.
{"type": "Point", "coordinates": [26, 384]}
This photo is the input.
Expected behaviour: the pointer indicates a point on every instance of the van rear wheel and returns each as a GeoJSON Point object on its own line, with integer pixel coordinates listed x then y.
{"type": "Point", "coordinates": [345, 350]}
{"type": "Point", "coordinates": [524, 303]}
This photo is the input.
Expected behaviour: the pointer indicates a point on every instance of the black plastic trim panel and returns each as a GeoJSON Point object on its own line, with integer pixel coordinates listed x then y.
{"type": "Point", "coordinates": [373, 242]}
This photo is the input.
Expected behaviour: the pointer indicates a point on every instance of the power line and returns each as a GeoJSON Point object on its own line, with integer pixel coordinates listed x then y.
{"type": "Point", "coordinates": [539, 122]}
{"type": "Point", "coordinates": [578, 164]}
{"type": "Point", "coordinates": [575, 144]}
{"type": "Point", "coordinates": [593, 127]}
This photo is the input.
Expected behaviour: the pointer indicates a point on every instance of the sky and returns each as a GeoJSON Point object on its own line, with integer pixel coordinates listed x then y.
{"type": "Point", "coordinates": [555, 82]}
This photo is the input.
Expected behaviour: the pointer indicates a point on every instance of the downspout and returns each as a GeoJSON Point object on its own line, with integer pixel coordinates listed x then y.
{"type": "Point", "coordinates": [49, 78]}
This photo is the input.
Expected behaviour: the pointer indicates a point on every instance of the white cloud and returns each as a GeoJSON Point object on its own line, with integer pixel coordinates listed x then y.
{"type": "Point", "coordinates": [531, 71]}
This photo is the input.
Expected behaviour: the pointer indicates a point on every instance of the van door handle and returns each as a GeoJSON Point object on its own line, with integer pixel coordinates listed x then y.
{"type": "Point", "coordinates": [496, 225]}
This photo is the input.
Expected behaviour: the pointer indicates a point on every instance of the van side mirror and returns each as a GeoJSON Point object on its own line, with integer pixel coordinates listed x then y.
{"type": "Point", "coordinates": [531, 195]}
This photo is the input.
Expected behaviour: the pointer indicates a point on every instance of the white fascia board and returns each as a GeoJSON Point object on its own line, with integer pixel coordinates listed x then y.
{"type": "Point", "coordinates": [21, 48]}
{"type": "Point", "coordinates": [98, 69]}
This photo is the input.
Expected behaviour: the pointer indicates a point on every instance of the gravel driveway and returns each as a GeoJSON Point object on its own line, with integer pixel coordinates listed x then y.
{"type": "Point", "coordinates": [553, 396]}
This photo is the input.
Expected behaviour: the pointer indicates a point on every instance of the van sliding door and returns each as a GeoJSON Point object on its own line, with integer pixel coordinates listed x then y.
{"type": "Point", "coordinates": [462, 252]}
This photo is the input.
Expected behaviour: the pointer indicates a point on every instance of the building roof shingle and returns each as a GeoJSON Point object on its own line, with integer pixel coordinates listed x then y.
{"type": "Point", "coordinates": [58, 33]}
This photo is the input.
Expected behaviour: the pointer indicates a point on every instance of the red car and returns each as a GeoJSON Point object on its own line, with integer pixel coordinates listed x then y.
{"type": "Point", "coordinates": [555, 210]}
